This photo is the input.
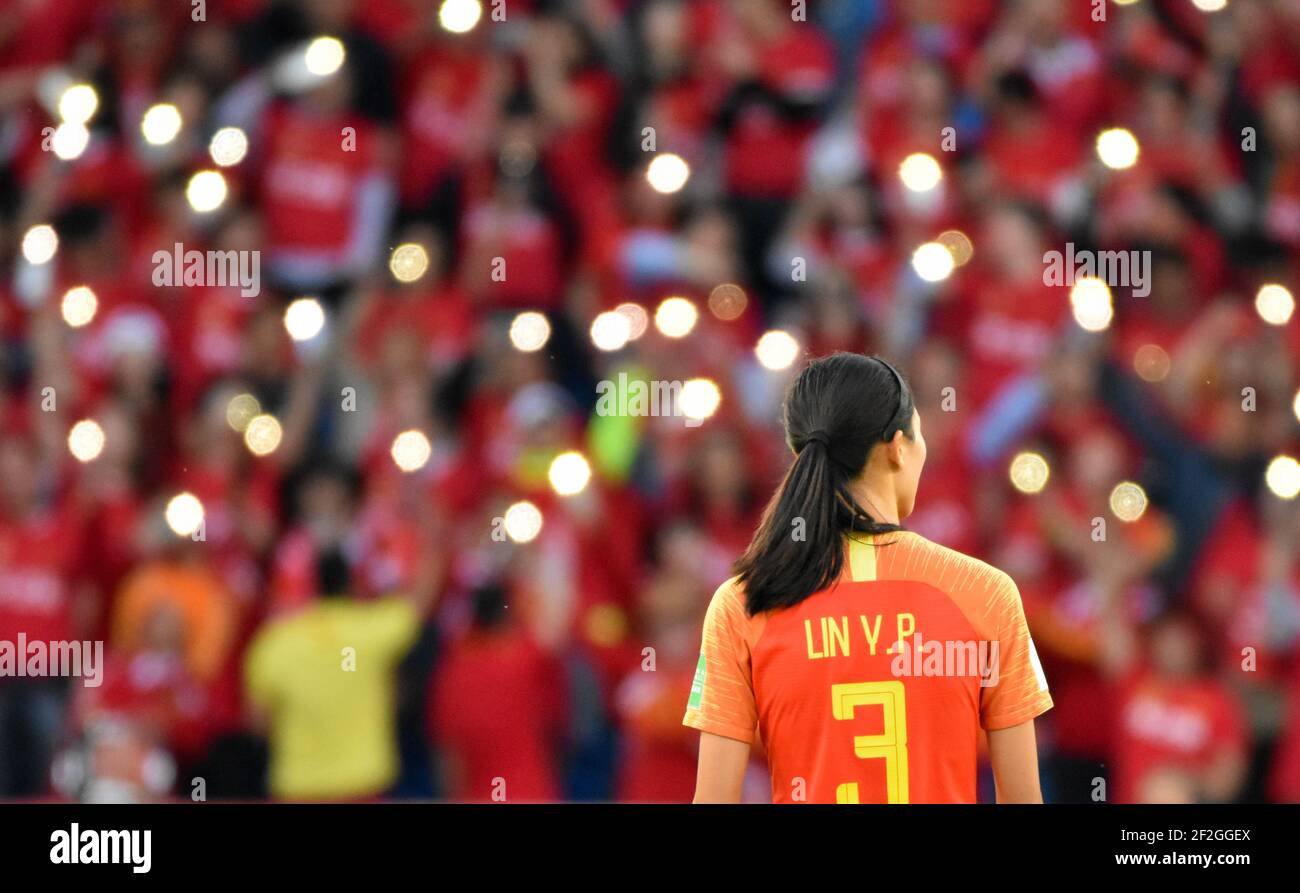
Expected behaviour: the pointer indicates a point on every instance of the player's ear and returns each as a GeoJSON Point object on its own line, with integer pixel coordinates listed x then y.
{"type": "Point", "coordinates": [894, 448]}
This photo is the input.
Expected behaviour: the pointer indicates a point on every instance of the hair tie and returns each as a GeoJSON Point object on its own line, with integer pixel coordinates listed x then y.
{"type": "Point", "coordinates": [817, 436]}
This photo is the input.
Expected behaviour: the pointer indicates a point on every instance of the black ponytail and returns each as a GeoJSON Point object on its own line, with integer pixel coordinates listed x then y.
{"type": "Point", "coordinates": [838, 408]}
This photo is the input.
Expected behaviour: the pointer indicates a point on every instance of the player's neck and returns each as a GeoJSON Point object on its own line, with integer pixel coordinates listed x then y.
{"type": "Point", "coordinates": [877, 497]}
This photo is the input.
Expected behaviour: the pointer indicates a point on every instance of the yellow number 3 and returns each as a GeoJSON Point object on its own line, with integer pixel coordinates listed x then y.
{"type": "Point", "coordinates": [891, 744]}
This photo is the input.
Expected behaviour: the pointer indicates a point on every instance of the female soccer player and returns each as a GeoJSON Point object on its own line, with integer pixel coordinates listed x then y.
{"type": "Point", "coordinates": [864, 658]}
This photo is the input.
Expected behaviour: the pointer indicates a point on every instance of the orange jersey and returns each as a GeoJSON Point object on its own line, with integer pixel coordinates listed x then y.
{"type": "Point", "coordinates": [873, 690]}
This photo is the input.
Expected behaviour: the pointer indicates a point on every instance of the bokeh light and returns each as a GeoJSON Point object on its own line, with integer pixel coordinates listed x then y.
{"type": "Point", "coordinates": [408, 262]}
{"type": "Point", "coordinates": [523, 522]}
{"type": "Point", "coordinates": [161, 124]}
{"type": "Point", "coordinates": [1283, 477]}
{"type": "Point", "coordinates": [1092, 304]}
{"type": "Point", "coordinates": [1151, 363]}
{"type": "Point", "coordinates": [411, 450]}
{"type": "Point", "coordinates": [228, 146]}
{"type": "Point", "coordinates": [86, 440]}
{"type": "Point", "coordinates": [958, 244]}
{"type": "Point", "coordinates": [611, 330]}
{"type": "Point", "coordinates": [459, 16]}
{"type": "Point", "coordinates": [667, 173]}
{"type": "Point", "coordinates": [1029, 472]}
{"type": "Point", "coordinates": [933, 262]}
{"type": "Point", "coordinates": [1128, 501]}
{"type": "Point", "coordinates": [325, 55]}
{"type": "Point", "coordinates": [727, 301]}
{"type": "Point", "coordinates": [78, 104]}
{"type": "Point", "coordinates": [79, 306]}
{"type": "Point", "coordinates": [1117, 148]}
{"type": "Point", "coordinates": [676, 317]}
{"type": "Point", "coordinates": [241, 410]}
{"type": "Point", "coordinates": [700, 398]}
{"type": "Point", "coordinates": [304, 319]}
{"type": "Point", "coordinates": [40, 243]}
{"type": "Point", "coordinates": [637, 319]}
{"type": "Point", "coordinates": [529, 331]}
{"type": "Point", "coordinates": [569, 473]}
{"type": "Point", "coordinates": [920, 172]}
{"type": "Point", "coordinates": [206, 191]}
{"type": "Point", "coordinates": [263, 434]}
{"type": "Point", "coordinates": [776, 350]}
{"type": "Point", "coordinates": [69, 141]}
{"type": "Point", "coordinates": [184, 514]}
{"type": "Point", "coordinates": [335, 248]}
{"type": "Point", "coordinates": [1274, 304]}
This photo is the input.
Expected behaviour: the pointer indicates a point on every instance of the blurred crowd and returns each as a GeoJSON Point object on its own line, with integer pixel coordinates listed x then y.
{"type": "Point", "coordinates": [354, 620]}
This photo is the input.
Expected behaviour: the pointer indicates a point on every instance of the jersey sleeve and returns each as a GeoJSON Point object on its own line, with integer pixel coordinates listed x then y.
{"type": "Point", "coordinates": [722, 693]}
{"type": "Point", "coordinates": [1018, 692]}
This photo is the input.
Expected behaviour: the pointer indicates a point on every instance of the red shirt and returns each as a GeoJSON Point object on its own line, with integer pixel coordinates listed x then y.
{"type": "Point", "coordinates": [309, 183]}
{"type": "Point", "coordinates": [1031, 161]}
{"type": "Point", "coordinates": [208, 338]}
{"type": "Point", "coordinates": [45, 31]}
{"type": "Point", "coordinates": [1284, 779]}
{"type": "Point", "coordinates": [658, 764]}
{"type": "Point", "coordinates": [1163, 723]}
{"type": "Point", "coordinates": [158, 691]}
{"type": "Point", "coordinates": [493, 706]}
{"type": "Point", "coordinates": [1229, 588]}
{"type": "Point", "coordinates": [449, 95]}
{"type": "Point", "coordinates": [39, 557]}
{"type": "Point", "coordinates": [1007, 328]}
{"type": "Point", "coordinates": [441, 319]}
{"type": "Point", "coordinates": [764, 155]}
{"type": "Point", "coordinates": [528, 243]}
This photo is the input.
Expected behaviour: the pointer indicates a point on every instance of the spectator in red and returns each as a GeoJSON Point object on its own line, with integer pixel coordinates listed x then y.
{"type": "Point", "coordinates": [778, 77]}
{"type": "Point", "coordinates": [42, 600]}
{"type": "Point", "coordinates": [326, 188]}
{"type": "Point", "coordinates": [496, 710]}
{"type": "Point", "coordinates": [150, 686]}
{"type": "Point", "coordinates": [1173, 714]}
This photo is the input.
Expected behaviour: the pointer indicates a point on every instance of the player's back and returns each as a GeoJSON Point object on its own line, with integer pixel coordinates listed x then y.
{"type": "Point", "coordinates": [874, 689]}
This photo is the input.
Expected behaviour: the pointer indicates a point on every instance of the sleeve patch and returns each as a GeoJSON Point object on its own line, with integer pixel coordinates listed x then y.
{"type": "Point", "coordinates": [697, 686]}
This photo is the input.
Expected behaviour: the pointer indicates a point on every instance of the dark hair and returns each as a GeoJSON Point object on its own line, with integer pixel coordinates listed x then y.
{"type": "Point", "coordinates": [318, 467]}
{"type": "Point", "coordinates": [489, 606]}
{"type": "Point", "coordinates": [333, 575]}
{"type": "Point", "coordinates": [838, 408]}
{"type": "Point", "coordinates": [1016, 86]}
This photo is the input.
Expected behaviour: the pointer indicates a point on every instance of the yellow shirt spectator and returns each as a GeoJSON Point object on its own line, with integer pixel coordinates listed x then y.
{"type": "Point", "coordinates": [325, 677]}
